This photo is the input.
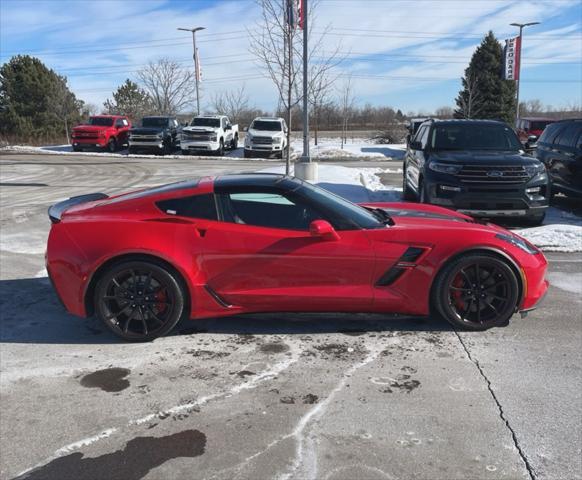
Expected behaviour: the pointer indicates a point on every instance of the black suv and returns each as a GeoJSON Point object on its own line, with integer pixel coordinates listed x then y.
{"type": "Point", "coordinates": [159, 134]}
{"type": "Point", "coordinates": [560, 148]}
{"type": "Point", "coordinates": [477, 167]}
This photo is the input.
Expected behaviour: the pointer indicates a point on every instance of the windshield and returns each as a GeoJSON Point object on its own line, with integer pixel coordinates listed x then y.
{"type": "Point", "coordinates": [344, 215]}
{"type": "Point", "coordinates": [473, 136]}
{"type": "Point", "coordinates": [205, 122]}
{"type": "Point", "coordinates": [154, 122]}
{"type": "Point", "coordinates": [100, 121]}
{"type": "Point", "coordinates": [266, 125]}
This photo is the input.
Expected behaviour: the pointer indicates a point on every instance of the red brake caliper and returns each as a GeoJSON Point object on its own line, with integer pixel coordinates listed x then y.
{"type": "Point", "coordinates": [458, 294]}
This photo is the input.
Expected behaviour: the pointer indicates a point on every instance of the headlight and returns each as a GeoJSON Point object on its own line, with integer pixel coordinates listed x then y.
{"type": "Point", "coordinates": [518, 242]}
{"type": "Point", "coordinates": [276, 140]}
{"type": "Point", "coordinates": [249, 137]}
{"type": "Point", "coordinates": [213, 138]}
{"type": "Point", "coordinates": [535, 169]}
{"type": "Point", "coordinates": [160, 134]}
{"type": "Point", "coordinates": [102, 133]}
{"type": "Point", "coordinates": [445, 167]}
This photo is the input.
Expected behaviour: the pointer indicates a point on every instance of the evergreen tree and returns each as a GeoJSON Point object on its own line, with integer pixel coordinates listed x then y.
{"type": "Point", "coordinates": [131, 100]}
{"type": "Point", "coordinates": [35, 102]}
{"type": "Point", "coordinates": [485, 94]}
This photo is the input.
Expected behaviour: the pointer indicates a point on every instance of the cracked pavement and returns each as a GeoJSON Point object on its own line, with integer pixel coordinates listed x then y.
{"type": "Point", "coordinates": [271, 396]}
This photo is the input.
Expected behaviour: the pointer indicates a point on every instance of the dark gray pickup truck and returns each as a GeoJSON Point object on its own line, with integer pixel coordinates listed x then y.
{"type": "Point", "coordinates": [158, 134]}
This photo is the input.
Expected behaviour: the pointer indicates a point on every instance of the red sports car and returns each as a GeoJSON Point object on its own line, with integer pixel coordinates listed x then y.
{"type": "Point", "coordinates": [259, 243]}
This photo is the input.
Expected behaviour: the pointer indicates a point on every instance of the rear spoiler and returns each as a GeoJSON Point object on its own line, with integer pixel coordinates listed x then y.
{"type": "Point", "coordinates": [55, 211]}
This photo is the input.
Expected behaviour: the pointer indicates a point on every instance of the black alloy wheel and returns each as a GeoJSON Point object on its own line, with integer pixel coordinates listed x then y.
{"type": "Point", "coordinates": [421, 192]}
{"type": "Point", "coordinates": [476, 292]}
{"type": "Point", "coordinates": [139, 300]}
{"type": "Point", "coordinates": [234, 144]}
{"type": "Point", "coordinates": [220, 151]}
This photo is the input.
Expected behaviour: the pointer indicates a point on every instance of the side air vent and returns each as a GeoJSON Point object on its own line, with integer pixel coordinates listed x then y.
{"type": "Point", "coordinates": [405, 262]}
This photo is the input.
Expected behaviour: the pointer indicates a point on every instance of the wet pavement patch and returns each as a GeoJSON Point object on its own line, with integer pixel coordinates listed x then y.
{"type": "Point", "coordinates": [108, 380]}
{"type": "Point", "coordinates": [274, 348]}
{"type": "Point", "coordinates": [310, 399]}
{"type": "Point", "coordinates": [135, 461]}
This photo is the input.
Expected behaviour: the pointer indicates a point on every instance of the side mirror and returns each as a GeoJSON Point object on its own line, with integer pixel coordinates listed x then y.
{"type": "Point", "coordinates": [228, 127]}
{"type": "Point", "coordinates": [323, 229]}
{"type": "Point", "coordinates": [246, 129]}
{"type": "Point", "coordinates": [532, 139]}
{"type": "Point", "coordinates": [416, 145]}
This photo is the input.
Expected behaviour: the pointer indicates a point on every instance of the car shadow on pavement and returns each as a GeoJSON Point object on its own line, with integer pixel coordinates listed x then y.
{"type": "Point", "coordinates": [30, 312]}
{"type": "Point", "coordinates": [395, 153]}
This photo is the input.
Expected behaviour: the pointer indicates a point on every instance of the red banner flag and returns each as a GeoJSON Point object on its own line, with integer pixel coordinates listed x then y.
{"type": "Point", "coordinates": [511, 58]}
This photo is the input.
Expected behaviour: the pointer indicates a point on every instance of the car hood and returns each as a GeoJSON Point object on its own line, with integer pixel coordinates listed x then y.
{"type": "Point", "coordinates": [482, 157]}
{"type": "Point", "coordinates": [147, 130]}
{"type": "Point", "coordinates": [265, 133]}
{"type": "Point", "coordinates": [431, 216]}
{"type": "Point", "coordinates": [200, 129]}
{"type": "Point", "coordinates": [90, 128]}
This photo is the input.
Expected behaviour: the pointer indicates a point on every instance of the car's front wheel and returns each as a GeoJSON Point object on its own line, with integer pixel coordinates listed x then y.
{"type": "Point", "coordinates": [476, 291]}
{"type": "Point", "coordinates": [112, 146]}
{"type": "Point", "coordinates": [407, 193]}
{"type": "Point", "coordinates": [139, 300]}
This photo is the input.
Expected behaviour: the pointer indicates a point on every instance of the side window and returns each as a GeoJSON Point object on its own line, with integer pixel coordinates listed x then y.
{"type": "Point", "coordinates": [197, 206]}
{"type": "Point", "coordinates": [267, 209]}
{"type": "Point", "coordinates": [567, 136]}
{"type": "Point", "coordinates": [550, 132]}
{"type": "Point", "coordinates": [224, 123]}
{"type": "Point", "coordinates": [423, 138]}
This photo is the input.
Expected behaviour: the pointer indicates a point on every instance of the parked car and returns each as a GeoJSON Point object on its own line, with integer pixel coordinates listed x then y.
{"type": "Point", "coordinates": [108, 132]}
{"type": "Point", "coordinates": [271, 243]}
{"type": "Point", "coordinates": [266, 136]}
{"type": "Point", "coordinates": [209, 133]}
{"type": "Point", "coordinates": [477, 167]}
{"type": "Point", "coordinates": [560, 149]}
{"type": "Point", "coordinates": [156, 133]}
{"type": "Point", "coordinates": [529, 129]}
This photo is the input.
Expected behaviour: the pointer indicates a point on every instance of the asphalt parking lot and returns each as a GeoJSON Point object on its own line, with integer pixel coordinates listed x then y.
{"type": "Point", "coordinates": [285, 396]}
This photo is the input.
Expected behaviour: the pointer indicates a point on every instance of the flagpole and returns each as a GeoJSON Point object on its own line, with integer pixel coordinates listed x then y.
{"type": "Point", "coordinates": [521, 26]}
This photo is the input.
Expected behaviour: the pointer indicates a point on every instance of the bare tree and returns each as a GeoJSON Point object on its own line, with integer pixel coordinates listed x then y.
{"type": "Point", "coordinates": [232, 103]}
{"type": "Point", "coordinates": [469, 101]}
{"type": "Point", "coordinates": [444, 112]}
{"type": "Point", "coordinates": [171, 87]}
{"type": "Point", "coordinates": [347, 101]}
{"type": "Point", "coordinates": [272, 45]}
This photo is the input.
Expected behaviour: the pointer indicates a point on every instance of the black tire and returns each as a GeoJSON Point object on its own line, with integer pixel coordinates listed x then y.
{"type": "Point", "coordinates": [77, 149]}
{"type": "Point", "coordinates": [247, 154]}
{"type": "Point", "coordinates": [535, 220]}
{"type": "Point", "coordinates": [132, 150]}
{"type": "Point", "coordinates": [234, 143]}
{"type": "Point", "coordinates": [185, 152]}
{"type": "Point", "coordinates": [407, 193]}
{"type": "Point", "coordinates": [112, 146]}
{"type": "Point", "coordinates": [157, 291]}
{"type": "Point", "coordinates": [422, 196]}
{"type": "Point", "coordinates": [476, 291]}
{"type": "Point", "coordinates": [220, 151]}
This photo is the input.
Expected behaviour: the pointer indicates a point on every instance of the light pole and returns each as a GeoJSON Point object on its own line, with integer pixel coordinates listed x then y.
{"type": "Point", "coordinates": [196, 66]}
{"type": "Point", "coordinates": [521, 26]}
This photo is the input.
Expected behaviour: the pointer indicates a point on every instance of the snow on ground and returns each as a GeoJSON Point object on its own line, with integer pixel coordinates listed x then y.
{"type": "Point", "coordinates": [356, 184]}
{"type": "Point", "coordinates": [327, 148]}
{"type": "Point", "coordinates": [560, 232]}
{"type": "Point", "coordinates": [356, 148]}
{"type": "Point", "coordinates": [570, 282]}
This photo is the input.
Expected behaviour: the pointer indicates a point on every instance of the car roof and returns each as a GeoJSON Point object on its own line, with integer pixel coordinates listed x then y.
{"type": "Point", "coordinates": [466, 121]}
{"type": "Point", "coordinates": [269, 119]}
{"type": "Point", "coordinates": [537, 119]}
{"type": "Point", "coordinates": [159, 116]}
{"type": "Point", "coordinates": [245, 180]}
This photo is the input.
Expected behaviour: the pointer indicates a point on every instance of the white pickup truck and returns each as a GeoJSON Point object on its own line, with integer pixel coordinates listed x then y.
{"type": "Point", "coordinates": [209, 133]}
{"type": "Point", "coordinates": [266, 135]}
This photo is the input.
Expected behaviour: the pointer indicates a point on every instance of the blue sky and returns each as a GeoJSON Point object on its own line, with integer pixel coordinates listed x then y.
{"type": "Point", "coordinates": [408, 54]}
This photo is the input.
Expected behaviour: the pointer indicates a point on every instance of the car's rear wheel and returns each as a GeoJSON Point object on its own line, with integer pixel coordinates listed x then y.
{"type": "Point", "coordinates": [535, 220]}
{"type": "Point", "coordinates": [234, 144]}
{"type": "Point", "coordinates": [476, 292]}
{"type": "Point", "coordinates": [139, 300]}
{"type": "Point", "coordinates": [220, 151]}
{"type": "Point", "coordinates": [77, 149]}
{"type": "Point", "coordinates": [422, 195]}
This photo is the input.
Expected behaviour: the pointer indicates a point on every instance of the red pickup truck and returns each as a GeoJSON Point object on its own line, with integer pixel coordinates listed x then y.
{"type": "Point", "coordinates": [107, 132]}
{"type": "Point", "coordinates": [532, 126]}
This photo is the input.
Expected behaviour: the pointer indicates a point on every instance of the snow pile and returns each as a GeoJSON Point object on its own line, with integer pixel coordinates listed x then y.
{"type": "Point", "coordinates": [356, 184]}
{"type": "Point", "coordinates": [357, 148]}
{"type": "Point", "coordinates": [554, 238]}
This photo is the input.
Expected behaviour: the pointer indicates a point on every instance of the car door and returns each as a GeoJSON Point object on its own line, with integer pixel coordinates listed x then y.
{"type": "Point", "coordinates": [262, 256]}
{"type": "Point", "coordinates": [122, 127]}
{"type": "Point", "coordinates": [565, 157]}
{"type": "Point", "coordinates": [415, 157]}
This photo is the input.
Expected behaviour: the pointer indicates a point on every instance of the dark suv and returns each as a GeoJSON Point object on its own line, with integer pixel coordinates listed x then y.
{"type": "Point", "coordinates": [560, 148]}
{"type": "Point", "coordinates": [159, 134]}
{"type": "Point", "coordinates": [477, 167]}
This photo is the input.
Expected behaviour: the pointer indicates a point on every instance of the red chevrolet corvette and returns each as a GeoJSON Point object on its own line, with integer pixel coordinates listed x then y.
{"type": "Point", "coordinates": [260, 243]}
